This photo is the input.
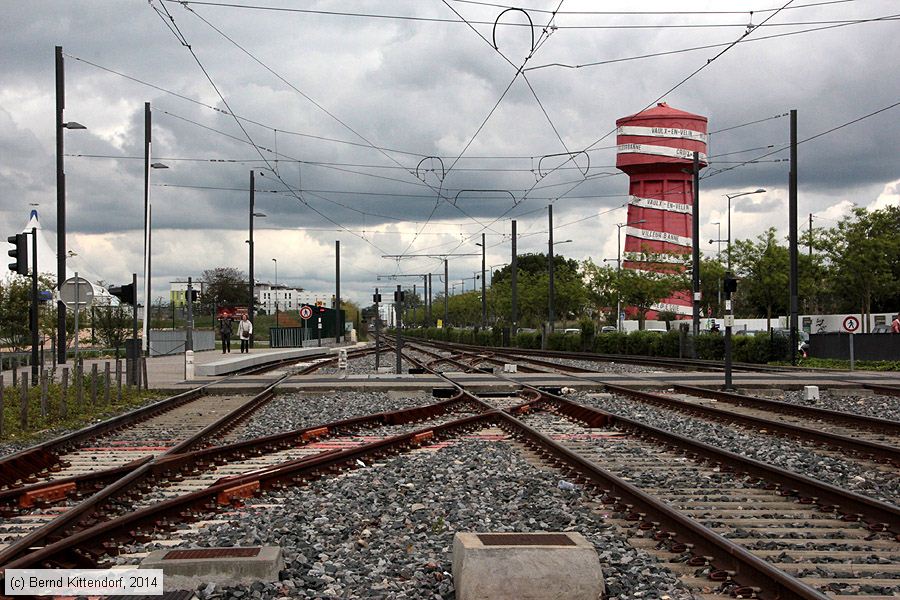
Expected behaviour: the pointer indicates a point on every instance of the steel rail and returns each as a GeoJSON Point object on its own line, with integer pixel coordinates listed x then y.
{"type": "Point", "coordinates": [23, 465]}
{"type": "Point", "coordinates": [102, 537]}
{"type": "Point", "coordinates": [740, 564]}
{"type": "Point", "coordinates": [865, 448]}
{"type": "Point", "coordinates": [812, 412]}
{"type": "Point", "coordinates": [732, 561]}
{"type": "Point", "coordinates": [165, 467]}
{"type": "Point", "coordinates": [880, 516]}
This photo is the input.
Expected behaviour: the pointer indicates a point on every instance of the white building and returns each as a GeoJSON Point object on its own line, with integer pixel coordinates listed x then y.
{"type": "Point", "coordinates": [268, 296]}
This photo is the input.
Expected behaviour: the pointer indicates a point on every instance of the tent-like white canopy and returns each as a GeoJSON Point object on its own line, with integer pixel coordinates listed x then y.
{"type": "Point", "coordinates": [46, 263]}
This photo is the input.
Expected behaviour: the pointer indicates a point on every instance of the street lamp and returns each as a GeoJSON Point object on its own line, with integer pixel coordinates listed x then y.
{"type": "Point", "coordinates": [730, 198]}
{"type": "Point", "coordinates": [619, 227]}
{"type": "Point", "coordinates": [275, 260]}
{"type": "Point", "coordinates": [148, 210]}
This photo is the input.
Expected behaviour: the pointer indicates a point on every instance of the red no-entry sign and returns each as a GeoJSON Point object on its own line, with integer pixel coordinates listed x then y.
{"type": "Point", "coordinates": [305, 312]}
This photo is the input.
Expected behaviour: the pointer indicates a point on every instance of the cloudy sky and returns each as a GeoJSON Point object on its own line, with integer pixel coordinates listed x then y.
{"type": "Point", "coordinates": [342, 107]}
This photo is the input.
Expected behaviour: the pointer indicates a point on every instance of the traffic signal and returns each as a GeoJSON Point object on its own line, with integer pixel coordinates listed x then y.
{"type": "Point", "coordinates": [19, 253]}
{"type": "Point", "coordinates": [125, 293]}
{"type": "Point", "coordinates": [729, 285]}
{"type": "Point", "coordinates": [195, 295]}
{"type": "Point", "coordinates": [399, 296]}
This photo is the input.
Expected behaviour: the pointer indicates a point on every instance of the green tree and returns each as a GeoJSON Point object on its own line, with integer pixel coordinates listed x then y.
{"type": "Point", "coordinates": [864, 254]}
{"type": "Point", "coordinates": [113, 325]}
{"type": "Point", "coordinates": [602, 290]}
{"type": "Point", "coordinates": [712, 273]}
{"type": "Point", "coordinates": [763, 270]}
{"type": "Point", "coordinates": [225, 286]}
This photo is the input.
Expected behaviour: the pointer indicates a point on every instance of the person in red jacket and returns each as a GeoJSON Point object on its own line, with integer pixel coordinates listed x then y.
{"type": "Point", "coordinates": [895, 325]}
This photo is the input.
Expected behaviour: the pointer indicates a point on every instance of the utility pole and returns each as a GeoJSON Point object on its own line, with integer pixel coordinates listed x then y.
{"type": "Point", "coordinates": [483, 292]}
{"type": "Point", "coordinates": [132, 372]}
{"type": "Point", "coordinates": [398, 308]}
{"type": "Point", "coordinates": [792, 236]}
{"type": "Point", "coordinates": [34, 308]}
{"type": "Point", "coordinates": [428, 304]}
{"type": "Point", "coordinates": [446, 294]}
{"type": "Point", "coordinates": [189, 331]}
{"type": "Point", "coordinates": [250, 303]}
{"type": "Point", "coordinates": [810, 238]}
{"type": "Point", "coordinates": [145, 343]}
{"type": "Point", "coordinates": [377, 298]}
{"type": "Point", "coordinates": [60, 209]}
{"type": "Point", "coordinates": [552, 291]}
{"type": "Point", "coordinates": [338, 331]}
{"type": "Point", "coordinates": [514, 280]}
{"type": "Point", "coordinates": [695, 262]}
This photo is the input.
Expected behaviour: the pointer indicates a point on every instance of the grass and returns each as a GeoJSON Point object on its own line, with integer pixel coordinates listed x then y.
{"type": "Point", "coordinates": [77, 415]}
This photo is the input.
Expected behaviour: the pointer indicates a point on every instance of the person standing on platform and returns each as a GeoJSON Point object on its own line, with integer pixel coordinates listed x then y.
{"type": "Point", "coordinates": [245, 330]}
{"type": "Point", "coordinates": [895, 324]}
{"type": "Point", "coordinates": [225, 331]}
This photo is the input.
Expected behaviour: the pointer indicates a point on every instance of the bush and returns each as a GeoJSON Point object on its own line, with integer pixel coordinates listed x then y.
{"type": "Point", "coordinates": [588, 331]}
{"type": "Point", "coordinates": [527, 340]}
{"type": "Point", "coordinates": [610, 343]}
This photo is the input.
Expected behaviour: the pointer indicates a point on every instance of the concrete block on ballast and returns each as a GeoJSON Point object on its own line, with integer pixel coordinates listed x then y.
{"type": "Point", "coordinates": [811, 393]}
{"type": "Point", "coordinates": [526, 566]}
{"type": "Point", "coordinates": [186, 568]}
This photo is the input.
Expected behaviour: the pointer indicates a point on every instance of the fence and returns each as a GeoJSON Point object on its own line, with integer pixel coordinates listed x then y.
{"type": "Point", "coordinates": [165, 342]}
{"type": "Point", "coordinates": [866, 346]}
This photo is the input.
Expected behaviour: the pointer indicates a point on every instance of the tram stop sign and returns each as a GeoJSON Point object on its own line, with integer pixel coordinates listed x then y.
{"type": "Point", "coordinates": [77, 287]}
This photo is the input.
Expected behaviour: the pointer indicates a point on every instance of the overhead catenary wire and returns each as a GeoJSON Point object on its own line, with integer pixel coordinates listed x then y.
{"type": "Point", "coordinates": [206, 74]}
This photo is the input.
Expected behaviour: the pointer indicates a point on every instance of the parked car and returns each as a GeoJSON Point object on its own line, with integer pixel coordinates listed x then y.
{"type": "Point", "coordinates": [571, 331]}
{"type": "Point", "coordinates": [662, 330]}
{"type": "Point", "coordinates": [802, 338]}
{"type": "Point", "coordinates": [608, 329]}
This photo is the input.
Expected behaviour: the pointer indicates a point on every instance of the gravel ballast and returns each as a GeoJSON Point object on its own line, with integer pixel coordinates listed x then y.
{"type": "Point", "coordinates": [387, 532]}
{"type": "Point", "coordinates": [767, 448]}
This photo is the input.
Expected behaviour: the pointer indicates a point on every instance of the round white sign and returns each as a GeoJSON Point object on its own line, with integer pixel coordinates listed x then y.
{"type": "Point", "coordinates": [851, 323]}
{"type": "Point", "coordinates": [77, 287]}
{"type": "Point", "coordinates": [305, 312]}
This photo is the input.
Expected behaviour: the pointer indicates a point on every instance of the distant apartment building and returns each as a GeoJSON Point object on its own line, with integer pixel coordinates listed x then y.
{"type": "Point", "coordinates": [178, 291]}
{"type": "Point", "coordinates": [268, 296]}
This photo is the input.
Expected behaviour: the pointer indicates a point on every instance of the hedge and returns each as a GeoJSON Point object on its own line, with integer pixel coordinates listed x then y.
{"type": "Point", "coordinates": [760, 348]}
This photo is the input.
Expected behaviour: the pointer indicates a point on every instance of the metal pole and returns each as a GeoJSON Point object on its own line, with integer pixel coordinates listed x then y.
{"type": "Point", "coordinates": [792, 236]}
{"type": "Point", "coordinates": [250, 304]}
{"type": "Point", "coordinates": [514, 281]}
{"type": "Point", "coordinates": [60, 209]}
{"type": "Point", "coordinates": [729, 318]}
{"type": "Point", "coordinates": [275, 260]}
{"type": "Point", "coordinates": [728, 267]}
{"type": "Point", "coordinates": [77, 310]}
{"type": "Point", "coordinates": [695, 242]}
{"type": "Point", "coordinates": [619, 323]}
{"type": "Point", "coordinates": [430, 297]}
{"type": "Point", "coordinates": [338, 332]}
{"type": "Point", "coordinates": [483, 290]}
{"type": "Point", "coordinates": [446, 294]}
{"type": "Point", "coordinates": [34, 308]}
{"type": "Point", "coordinates": [398, 307]}
{"type": "Point", "coordinates": [189, 332]}
{"type": "Point", "coordinates": [810, 238]}
{"type": "Point", "coordinates": [377, 332]}
{"type": "Point", "coordinates": [145, 341]}
{"type": "Point", "coordinates": [132, 360]}
{"type": "Point", "coordinates": [550, 307]}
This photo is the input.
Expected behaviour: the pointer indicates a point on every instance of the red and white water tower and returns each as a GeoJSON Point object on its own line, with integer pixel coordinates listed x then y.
{"type": "Point", "coordinates": [656, 149]}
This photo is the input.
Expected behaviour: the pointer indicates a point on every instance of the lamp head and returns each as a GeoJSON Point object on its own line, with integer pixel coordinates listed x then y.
{"type": "Point", "coordinates": [159, 165]}
{"type": "Point", "coordinates": [73, 125]}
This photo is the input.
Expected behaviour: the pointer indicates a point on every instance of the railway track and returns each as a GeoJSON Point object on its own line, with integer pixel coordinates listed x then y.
{"type": "Point", "coordinates": [681, 495]}
{"type": "Point", "coordinates": [726, 524]}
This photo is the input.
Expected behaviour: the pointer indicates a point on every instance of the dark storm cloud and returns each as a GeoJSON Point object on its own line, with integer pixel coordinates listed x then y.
{"type": "Point", "coordinates": [423, 88]}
